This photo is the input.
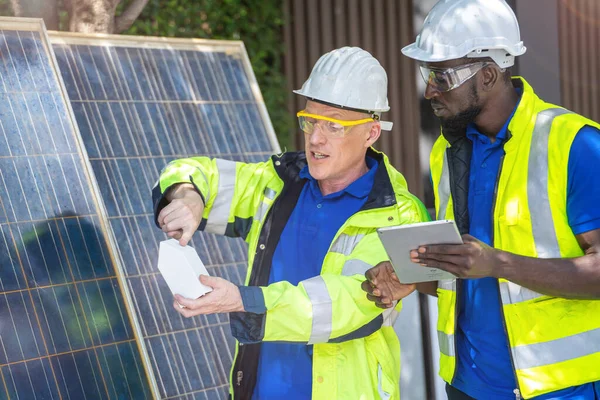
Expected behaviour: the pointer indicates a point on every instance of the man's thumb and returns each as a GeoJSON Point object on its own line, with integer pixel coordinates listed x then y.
{"type": "Point", "coordinates": [209, 280]}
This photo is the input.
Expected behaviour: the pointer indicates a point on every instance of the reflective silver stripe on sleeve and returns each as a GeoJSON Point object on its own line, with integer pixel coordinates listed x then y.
{"type": "Point", "coordinates": [546, 243]}
{"type": "Point", "coordinates": [511, 293]}
{"type": "Point", "coordinates": [345, 244]}
{"type": "Point", "coordinates": [447, 284]}
{"type": "Point", "coordinates": [383, 395]}
{"type": "Point", "coordinates": [261, 212]}
{"type": "Point", "coordinates": [555, 351]}
{"type": "Point", "coordinates": [219, 213]}
{"type": "Point", "coordinates": [322, 309]}
{"type": "Point", "coordinates": [355, 267]}
{"type": "Point", "coordinates": [390, 315]}
{"type": "Point", "coordinates": [444, 188]}
{"type": "Point", "coordinates": [270, 193]}
{"type": "Point", "coordinates": [446, 343]}
{"type": "Point", "coordinates": [264, 207]}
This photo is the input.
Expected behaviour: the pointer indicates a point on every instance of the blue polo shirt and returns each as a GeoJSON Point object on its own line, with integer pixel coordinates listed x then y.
{"type": "Point", "coordinates": [484, 369]}
{"type": "Point", "coordinates": [285, 369]}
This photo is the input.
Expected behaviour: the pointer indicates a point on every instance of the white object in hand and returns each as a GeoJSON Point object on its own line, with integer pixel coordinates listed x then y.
{"type": "Point", "coordinates": [181, 267]}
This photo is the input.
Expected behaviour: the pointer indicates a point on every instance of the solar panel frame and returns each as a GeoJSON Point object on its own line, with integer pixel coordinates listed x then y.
{"type": "Point", "coordinates": [224, 260]}
{"type": "Point", "coordinates": [97, 209]}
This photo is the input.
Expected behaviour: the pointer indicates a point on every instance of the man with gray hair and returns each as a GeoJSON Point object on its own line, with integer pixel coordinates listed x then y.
{"type": "Point", "coordinates": [304, 327]}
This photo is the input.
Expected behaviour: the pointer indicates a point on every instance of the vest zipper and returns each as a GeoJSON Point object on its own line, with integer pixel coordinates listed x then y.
{"type": "Point", "coordinates": [517, 391]}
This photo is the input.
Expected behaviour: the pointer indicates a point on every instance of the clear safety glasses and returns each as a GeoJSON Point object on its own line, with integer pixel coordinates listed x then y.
{"type": "Point", "coordinates": [444, 80]}
{"type": "Point", "coordinates": [330, 126]}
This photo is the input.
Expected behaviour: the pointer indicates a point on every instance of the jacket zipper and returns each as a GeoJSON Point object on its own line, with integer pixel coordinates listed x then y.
{"type": "Point", "coordinates": [456, 308]}
{"type": "Point", "coordinates": [517, 390]}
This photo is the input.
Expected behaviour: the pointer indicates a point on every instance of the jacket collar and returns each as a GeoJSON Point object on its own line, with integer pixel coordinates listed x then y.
{"type": "Point", "coordinates": [289, 165]}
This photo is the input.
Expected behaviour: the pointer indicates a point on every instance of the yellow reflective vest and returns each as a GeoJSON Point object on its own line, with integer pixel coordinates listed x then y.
{"type": "Point", "coordinates": [554, 342]}
{"type": "Point", "coordinates": [356, 354]}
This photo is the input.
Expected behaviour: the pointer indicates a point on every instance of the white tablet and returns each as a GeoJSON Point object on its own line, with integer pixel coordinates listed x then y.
{"type": "Point", "coordinates": [400, 240]}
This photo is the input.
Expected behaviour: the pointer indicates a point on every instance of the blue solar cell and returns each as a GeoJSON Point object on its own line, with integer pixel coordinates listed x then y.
{"type": "Point", "coordinates": [29, 380]}
{"type": "Point", "coordinates": [42, 260]}
{"type": "Point", "coordinates": [62, 320]}
{"type": "Point", "coordinates": [81, 376]}
{"type": "Point", "coordinates": [60, 303]}
{"type": "Point", "coordinates": [11, 273]}
{"type": "Point", "coordinates": [121, 364]}
{"type": "Point", "coordinates": [20, 333]}
{"type": "Point", "coordinates": [104, 311]}
{"type": "Point", "coordinates": [105, 372]}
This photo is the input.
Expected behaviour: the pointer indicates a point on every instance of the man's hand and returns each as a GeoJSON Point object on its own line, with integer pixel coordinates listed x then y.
{"type": "Point", "coordinates": [181, 218]}
{"type": "Point", "coordinates": [472, 259]}
{"type": "Point", "coordinates": [383, 287]}
{"type": "Point", "coordinates": [224, 298]}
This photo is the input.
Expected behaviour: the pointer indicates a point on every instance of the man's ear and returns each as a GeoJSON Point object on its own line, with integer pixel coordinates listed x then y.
{"type": "Point", "coordinates": [374, 134]}
{"type": "Point", "coordinates": [491, 77]}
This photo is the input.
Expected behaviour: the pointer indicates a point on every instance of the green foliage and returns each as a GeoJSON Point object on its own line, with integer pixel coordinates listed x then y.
{"type": "Point", "coordinates": [258, 23]}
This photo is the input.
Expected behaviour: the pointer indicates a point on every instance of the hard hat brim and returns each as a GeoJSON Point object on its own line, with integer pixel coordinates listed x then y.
{"type": "Point", "coordinates": [416, 53]}
{"type": "Point", "coordinates": [346, 107]}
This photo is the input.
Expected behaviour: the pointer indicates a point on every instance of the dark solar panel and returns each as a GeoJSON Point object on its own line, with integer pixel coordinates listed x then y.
{"type": "Point", "coordinates": [139, 103]}
{"type": "Point", "coordinates": [64, 327]}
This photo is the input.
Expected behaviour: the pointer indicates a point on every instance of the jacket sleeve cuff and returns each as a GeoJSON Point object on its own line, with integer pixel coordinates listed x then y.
{"type": "Point", "coordinates": [253, 299]}
{"type": "Point", "coordinates": [160, 201]}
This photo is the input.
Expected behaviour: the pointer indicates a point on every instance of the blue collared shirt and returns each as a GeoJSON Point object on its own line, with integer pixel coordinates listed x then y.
{"type": "Point", "coordinates": [285, 369]}
{"type": "Point", "coordinates": [484, 369]}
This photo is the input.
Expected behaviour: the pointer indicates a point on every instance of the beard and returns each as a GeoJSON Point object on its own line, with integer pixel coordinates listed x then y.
{"type": "Point", "coordinates": [455, 127]}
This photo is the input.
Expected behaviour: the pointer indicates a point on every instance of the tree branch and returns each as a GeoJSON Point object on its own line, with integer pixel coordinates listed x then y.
{"type": "Point", "coordinates": [91, 16]}
{"type": "Point", "coordinates": [46, 9]}
{"type": "Point", "coordinates": [129, 15]}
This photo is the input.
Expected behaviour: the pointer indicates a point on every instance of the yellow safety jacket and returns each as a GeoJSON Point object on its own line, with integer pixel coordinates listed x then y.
{"type": "Point", "coordinates": [554, 342]}
{"type": "Point", "coordinates": [356, 354]}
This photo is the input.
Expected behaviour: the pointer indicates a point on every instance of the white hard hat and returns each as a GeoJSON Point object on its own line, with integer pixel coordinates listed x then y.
{"type": "Point", "coordinates": [349, 77]}
{"type": "Point", "coordinates": [471, 28]}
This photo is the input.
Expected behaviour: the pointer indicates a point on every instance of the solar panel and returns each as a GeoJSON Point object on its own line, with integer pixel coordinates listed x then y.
{"type": "Point", "coordinates": [65, 331]}
{"type": "Point", "coordinates": [141, 102]}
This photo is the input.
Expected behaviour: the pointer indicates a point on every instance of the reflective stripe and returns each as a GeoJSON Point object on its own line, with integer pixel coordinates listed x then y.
{"type": "Point", "coordinates": [544, 234]}
{"type": "Point", "coordinates": [345, 244]}
{"type": "Point", "coordinates": [390, 315]}
{"type": "Point", "coordinates": [262, 211]}
{"type": "Point", "coordinates": [219, 213]}
{"type": "Point", "coordinates": [511, 293]}
{"type": "Point", "coordinates": [270, 193]}
{"type": "Point", "coordinates": [317, 292]}
{"type": "Point", "coordinates": [447, 284]}
{"type": "Point", "coordinates": [444, 188]}
{"type": "Point", "coordinates": [446, 343]}
{"type": "Point", "coordinates": [382, 393]}
{"type": "Point", "coordinates": [555, 351]}
{"type": "Point", "coordinates": [355, 267]}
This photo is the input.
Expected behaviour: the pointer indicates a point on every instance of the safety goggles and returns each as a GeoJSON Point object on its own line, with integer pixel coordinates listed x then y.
{"type": "Point", "coordinates": [444, 80]}
{"type": "Point", "coordinates": [330, 126]}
